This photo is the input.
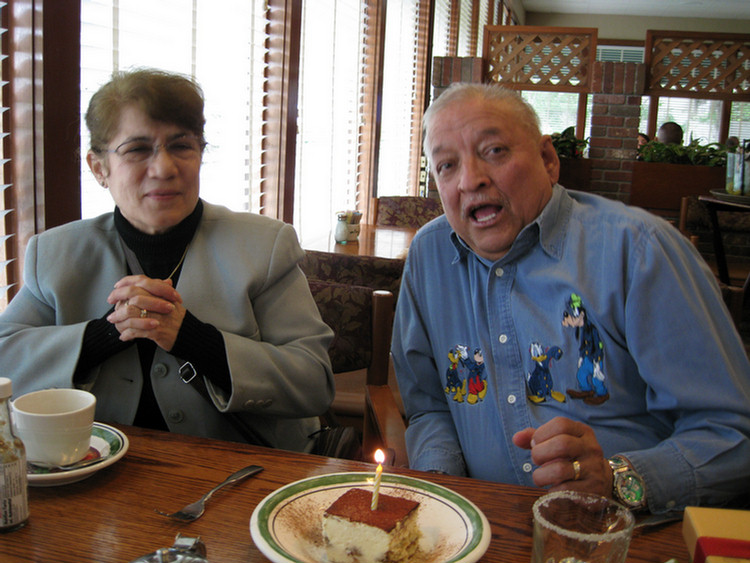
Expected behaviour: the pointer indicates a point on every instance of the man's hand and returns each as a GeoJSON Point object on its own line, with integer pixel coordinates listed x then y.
{"type": "Point", "coordinates": [555, 446]}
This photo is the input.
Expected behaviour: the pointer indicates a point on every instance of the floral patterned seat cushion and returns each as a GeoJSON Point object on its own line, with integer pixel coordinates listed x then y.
{"type": "Point", "coordinates": [366, 271]}
{"type": "Point", "coordinates": [347, 309]}
{"type": "Point", "coordinates": [407, 211]}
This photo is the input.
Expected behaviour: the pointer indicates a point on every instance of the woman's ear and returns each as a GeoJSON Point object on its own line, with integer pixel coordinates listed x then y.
{"type": "Point", "coordinates": [550, 158]}
{"type": "Point", "coordinates": [98, 167]}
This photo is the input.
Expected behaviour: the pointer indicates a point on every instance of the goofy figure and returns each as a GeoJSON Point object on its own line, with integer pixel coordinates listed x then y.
{"type": "Point", "coordinates": [590, 375]}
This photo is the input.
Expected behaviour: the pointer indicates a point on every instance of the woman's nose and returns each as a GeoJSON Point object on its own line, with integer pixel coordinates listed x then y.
{"type": "Point", "coordinates": [162, 164]}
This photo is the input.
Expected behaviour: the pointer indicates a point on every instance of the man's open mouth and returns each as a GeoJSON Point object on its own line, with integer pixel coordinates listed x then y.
{"type": "Point", "coordinates": [485, 213]}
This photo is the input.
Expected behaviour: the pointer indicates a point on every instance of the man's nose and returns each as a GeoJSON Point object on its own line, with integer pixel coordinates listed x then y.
{"type": "Point", "coordinates": [473, 174]}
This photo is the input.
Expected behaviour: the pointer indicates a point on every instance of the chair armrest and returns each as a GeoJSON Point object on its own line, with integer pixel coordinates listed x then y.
{"type": "Point", "coordinates": [384, 427]}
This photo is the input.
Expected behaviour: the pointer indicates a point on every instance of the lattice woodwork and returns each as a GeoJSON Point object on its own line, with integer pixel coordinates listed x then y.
{"type": "Point", "coordinates": [557, 59]}
{"type": "Point", "coordinates": [698, 65]}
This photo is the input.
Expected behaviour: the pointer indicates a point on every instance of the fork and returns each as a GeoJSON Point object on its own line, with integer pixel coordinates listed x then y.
{"type": "Point", "coordinates": [195, 510]}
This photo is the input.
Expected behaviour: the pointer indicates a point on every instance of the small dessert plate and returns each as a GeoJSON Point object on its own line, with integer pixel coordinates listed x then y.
{"type": "Point", "coordinates": [286, 525]}
{"type": "Point", "coordinates": [107, 446]}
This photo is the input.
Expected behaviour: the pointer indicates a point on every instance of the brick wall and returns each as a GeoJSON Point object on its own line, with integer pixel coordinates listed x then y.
{"type": "Point", "coordinates": [616, 112]}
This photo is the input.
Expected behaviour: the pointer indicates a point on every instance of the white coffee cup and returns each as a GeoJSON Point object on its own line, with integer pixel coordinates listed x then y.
{"type": "Point", "coordinates": [55, 424]}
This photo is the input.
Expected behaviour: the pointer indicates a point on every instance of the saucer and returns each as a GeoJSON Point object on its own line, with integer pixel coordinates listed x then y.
{"type": "Point", "coordinates": [107, 444]}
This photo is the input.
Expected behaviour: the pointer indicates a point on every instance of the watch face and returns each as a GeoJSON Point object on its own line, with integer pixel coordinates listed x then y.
{"type": "Point", "coordinates": [630, 489]}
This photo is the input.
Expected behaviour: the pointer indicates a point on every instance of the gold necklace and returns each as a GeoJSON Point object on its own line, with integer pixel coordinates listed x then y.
{"type": "Point", "coordinates": [177, 267]}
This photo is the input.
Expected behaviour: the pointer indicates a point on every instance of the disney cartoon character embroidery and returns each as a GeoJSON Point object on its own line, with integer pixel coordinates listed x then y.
{"type": "Point", "coordinates": [590, 376]}
{"type": "Point", "coordinates": [540, 379]}
{"type": "Point", "coordinates": [477, 383]}
{"type": "Point", "coordinates": [453, 381]}
{"type": "Point", "coordinates": [465, 375]}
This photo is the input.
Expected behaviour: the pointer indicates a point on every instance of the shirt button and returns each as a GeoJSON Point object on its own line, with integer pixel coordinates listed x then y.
{"type": "Point", "coordinates": [176, 415]}
{"type": "Point", "coordinates": [671, 504]}
{"type": "Point", "coordinates": [503, 338]}
{"type": "Point", "coordinates": [499, 272]}
{"type": "Point", "coordinates": [527, 468]}
{"type": "Point", "coordinates": [160, 370]}
{"type": "Point", "coordinates": [511, 399]}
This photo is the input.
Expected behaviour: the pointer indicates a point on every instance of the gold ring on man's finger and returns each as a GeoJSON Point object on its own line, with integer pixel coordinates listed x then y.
{"type": "Point", "coordinates": [144, 313]}
{"type": "Point", "coordinates": [576, 470]}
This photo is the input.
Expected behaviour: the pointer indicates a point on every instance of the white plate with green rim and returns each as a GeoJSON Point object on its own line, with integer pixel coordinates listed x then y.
{"type": "Point", "coordinates": [108, 445]}
{"type": "Point", "coordinates": [286, 525]}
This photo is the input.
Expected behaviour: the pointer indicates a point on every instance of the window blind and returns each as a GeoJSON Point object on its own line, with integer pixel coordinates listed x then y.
{"type": "Point", "coordinates": [7, 228]}
{"type": "Point", "coordinates": [739, 124]}
{"type": "Point", "coordinates": [465, 42]}
{"type": "Point", "coordinates": [700, 119]}
{"type": "Point", "coordinates": [334, 33]}
{"type": "Point", "coordinates": [442, 28]}
{"type": "Point", "coordinates": [556, 110]}
{"type": "Point", "coordinates": [398, 162]}
{"type": "Point", "coordinates": [183, 36]}
{"type": "Point", "coordinates": [483, 18]}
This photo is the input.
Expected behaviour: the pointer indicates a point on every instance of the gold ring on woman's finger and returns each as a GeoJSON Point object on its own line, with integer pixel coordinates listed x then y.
{"type": "Point", "coordinates": [144, 314]}
{"type": "Point", "coordinates": [576, 470]}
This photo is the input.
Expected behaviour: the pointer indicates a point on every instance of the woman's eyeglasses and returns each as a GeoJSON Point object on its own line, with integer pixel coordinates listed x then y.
{"type": "Point", "coordinates": [182, 148]}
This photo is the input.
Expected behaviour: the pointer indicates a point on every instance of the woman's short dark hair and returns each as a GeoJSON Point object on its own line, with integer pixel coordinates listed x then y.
{"type": "Point", "coordinates": [162, 96]}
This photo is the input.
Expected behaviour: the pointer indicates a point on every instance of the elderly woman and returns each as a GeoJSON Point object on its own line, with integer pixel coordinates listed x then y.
{"type": "Point", "coordinates": [131, 304]}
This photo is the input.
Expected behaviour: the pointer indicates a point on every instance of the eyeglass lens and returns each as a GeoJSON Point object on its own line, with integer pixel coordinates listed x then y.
{"type": "Point", "coordinates": [183, 148]}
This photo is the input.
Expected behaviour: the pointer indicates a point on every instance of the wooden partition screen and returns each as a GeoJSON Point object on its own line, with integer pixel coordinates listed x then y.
{"type": "Point", "coordinates": [698, 65]}
{"type": "Point", "coordinates": [559, 59]}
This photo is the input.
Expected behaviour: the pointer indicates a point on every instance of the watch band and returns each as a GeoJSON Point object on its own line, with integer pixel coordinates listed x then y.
{"type": "Point", "coordinates": [628, 486]}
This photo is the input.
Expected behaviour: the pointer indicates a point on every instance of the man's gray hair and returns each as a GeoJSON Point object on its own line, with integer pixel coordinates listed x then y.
{"type": "Point", "coordinates": [464, 92]}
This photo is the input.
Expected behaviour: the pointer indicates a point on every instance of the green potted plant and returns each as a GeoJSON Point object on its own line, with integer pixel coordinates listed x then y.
{"type": "Point", "coordinates": [710, 154]}
{"type": "Point", "coordinates": [567, 145]}
{"type": "Point", "coordinates": [664, 174]}
{"type": "Point", "coordinates": [575, 170]}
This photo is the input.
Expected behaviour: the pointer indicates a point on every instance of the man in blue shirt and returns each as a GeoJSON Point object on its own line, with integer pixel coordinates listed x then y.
{"type": "Point", "coordinates": [560, 339]}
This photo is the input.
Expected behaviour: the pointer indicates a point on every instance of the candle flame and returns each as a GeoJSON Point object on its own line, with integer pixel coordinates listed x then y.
{"type": "Point", "coordinates": [379, 456]}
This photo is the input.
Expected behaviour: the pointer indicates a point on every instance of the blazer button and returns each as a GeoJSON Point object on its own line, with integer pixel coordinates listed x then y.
{"type": "Point", "coordinates": [176, 415]}
{"type": "Point", "coordinates": [267, 403]}
{"type": "Point", "coordinates": [160, 370]}
{"type": "Point", "coordinates": [250, 403]}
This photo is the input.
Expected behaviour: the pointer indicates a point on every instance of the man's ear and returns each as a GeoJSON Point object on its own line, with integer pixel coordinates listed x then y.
{"type": "Point", "coordinates": [98, 167]}
{"type": "Point", "coordinates": [550, 158]}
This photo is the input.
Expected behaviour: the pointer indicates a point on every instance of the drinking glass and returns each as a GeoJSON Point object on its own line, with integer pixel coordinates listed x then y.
{"type": "Point", "coordinates": [577, 527]}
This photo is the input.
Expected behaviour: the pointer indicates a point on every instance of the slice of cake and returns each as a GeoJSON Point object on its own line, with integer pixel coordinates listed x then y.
{"type": "Point", "coordinates": [354, 533]}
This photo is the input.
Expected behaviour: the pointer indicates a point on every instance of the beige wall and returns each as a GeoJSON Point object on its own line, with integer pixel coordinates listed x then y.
{"type": "Point", "coordinates": [634, 27]}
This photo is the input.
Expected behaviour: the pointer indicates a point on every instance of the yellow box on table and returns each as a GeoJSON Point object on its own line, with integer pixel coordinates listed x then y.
{"type": "Point", "coordinates": [717, 535]}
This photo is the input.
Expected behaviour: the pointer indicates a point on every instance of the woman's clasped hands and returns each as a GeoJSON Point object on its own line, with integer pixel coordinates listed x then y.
{"type": "Point", "coordinates": [147, 308]}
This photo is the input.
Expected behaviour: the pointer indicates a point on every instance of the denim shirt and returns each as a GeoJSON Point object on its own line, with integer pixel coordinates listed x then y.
{"type": "Point", "coordinates": [600, 312]}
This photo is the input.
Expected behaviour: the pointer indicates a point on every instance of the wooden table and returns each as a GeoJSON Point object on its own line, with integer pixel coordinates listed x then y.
{"type": "Point", "coordinates": [373, 240]}
{"type": "Point", "coordinates": [110, 516]}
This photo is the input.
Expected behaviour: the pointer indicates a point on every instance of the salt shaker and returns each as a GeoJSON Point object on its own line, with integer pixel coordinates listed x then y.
{"type": "Point", "coordinates": [14, 502]}
{"type": "Point", "coordinates": [341, 234]}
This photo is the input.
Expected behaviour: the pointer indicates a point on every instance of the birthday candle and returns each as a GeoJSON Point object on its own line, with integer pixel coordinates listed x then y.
{"type": "Point", "coordinates": [380, 458]}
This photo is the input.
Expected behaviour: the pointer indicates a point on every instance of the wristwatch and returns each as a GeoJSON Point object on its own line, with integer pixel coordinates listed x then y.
{"type": "Point", "coordinates": [627, 485]}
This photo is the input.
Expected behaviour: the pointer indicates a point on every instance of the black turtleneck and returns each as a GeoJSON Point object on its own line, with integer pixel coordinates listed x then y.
{"type": "Point", "coordinates": [197, 342]}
